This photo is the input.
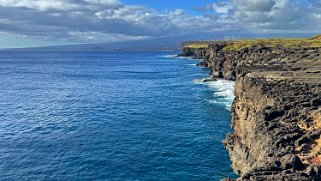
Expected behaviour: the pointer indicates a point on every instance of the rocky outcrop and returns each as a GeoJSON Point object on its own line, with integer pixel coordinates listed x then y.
{"type": "Point", "coordinates": [195, 53]}
{"type": "Point", "coordinates": [276, 115]}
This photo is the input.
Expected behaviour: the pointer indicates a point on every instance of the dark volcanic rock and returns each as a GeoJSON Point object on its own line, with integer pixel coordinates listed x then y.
{"type": "Point", "coordinates": [276, 115]}
{"type": "Point", "coordinates": [196, 53]}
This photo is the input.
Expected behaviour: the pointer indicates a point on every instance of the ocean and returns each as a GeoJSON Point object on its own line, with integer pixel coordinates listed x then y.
{"type": "Point", "coordinates": [111, 116]}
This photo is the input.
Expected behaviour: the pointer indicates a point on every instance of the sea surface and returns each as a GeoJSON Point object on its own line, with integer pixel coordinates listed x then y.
{"type": "Point", "coordinates": [111, 116]}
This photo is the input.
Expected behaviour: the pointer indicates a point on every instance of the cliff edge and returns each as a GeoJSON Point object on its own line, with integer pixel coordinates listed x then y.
{"type": "Point", "coordinates": [276, 115]}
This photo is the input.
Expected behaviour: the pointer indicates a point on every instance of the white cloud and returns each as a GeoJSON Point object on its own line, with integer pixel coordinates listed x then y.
{"type": "Point", "coordinates": [253, 5]}
{"type": "Point", "coordinates": [222, 9]}
{"type": "Point", "coordinates": [218, 7]}
{"type": "Point", "coordinates": [110, 3]}
{"type": "Point", "coordinates": [290, 16]}
{"type": "Point", "coordinates": [103, 20]}
{"type": "Point", "coordinates": [39, 4]}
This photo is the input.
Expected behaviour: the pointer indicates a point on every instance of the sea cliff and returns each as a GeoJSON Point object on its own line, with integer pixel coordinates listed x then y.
{"type": "Point", "coordinates": [276, 115]}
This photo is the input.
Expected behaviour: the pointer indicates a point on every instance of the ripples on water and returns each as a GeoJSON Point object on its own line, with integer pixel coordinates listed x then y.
{"type": "Point", "coordinates": [110, 116]}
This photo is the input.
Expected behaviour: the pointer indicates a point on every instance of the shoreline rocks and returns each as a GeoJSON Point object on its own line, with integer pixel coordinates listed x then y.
{"type": "Point", "coordinates": [194, 53]}
{"type": "Point", "coordinates": [209, 79]}
{"type": "Point", "coordinates": [276, 115]}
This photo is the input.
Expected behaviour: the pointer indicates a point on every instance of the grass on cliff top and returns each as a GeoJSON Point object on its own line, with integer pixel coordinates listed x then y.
{"type": "Point", "coordinates": [247, 43]}
{"type": "Point", "coordinates": [286, 43]}
{"type": "Point", "coordinates": [203, 45]}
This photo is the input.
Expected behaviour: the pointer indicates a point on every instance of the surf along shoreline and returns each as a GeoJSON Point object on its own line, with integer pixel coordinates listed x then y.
{"type": "Point", "coordinates": [276, 113]}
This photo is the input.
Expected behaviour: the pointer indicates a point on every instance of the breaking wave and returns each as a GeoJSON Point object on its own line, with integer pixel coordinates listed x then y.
{"type": "Point", "coordinates": [178, 57]}
{"type": "Point", "coordinates": [223, 91]}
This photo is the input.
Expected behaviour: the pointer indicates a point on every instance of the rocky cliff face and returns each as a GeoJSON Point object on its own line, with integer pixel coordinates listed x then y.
{"type": "Point", "coordinates": [276, 115]}
{"type": "Point", "coordinates": [196, 53]}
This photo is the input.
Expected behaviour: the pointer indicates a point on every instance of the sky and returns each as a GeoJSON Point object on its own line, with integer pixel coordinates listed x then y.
{"type": "Point", "coordinates": [27, 23]}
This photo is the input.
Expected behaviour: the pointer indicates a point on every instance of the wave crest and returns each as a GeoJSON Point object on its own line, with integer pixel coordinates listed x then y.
{"type": "Point", "coordinates": [223, 91]}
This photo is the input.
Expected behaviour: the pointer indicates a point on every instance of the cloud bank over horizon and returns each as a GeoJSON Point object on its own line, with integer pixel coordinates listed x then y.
{"type": "Point", "coordinates": [80, 21]}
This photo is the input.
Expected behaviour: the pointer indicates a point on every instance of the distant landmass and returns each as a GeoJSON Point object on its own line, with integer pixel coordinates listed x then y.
{"type": "Point", "coordinates": [170, 43]}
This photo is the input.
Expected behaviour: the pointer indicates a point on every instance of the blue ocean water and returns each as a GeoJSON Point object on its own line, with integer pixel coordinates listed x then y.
{"type": "Point", "coordinates": [111, 116]}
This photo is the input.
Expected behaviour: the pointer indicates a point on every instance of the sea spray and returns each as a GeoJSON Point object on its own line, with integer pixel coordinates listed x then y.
{"type": "Point", "coordinates": [170, 56]}
{"type": "Point", "coordinates": [223, 91]}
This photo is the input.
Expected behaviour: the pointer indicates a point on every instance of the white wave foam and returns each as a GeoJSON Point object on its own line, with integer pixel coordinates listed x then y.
{"type": "Point", "coordinates": [178, 57]}
{"type": "Point", "coordinates": [169, 56]}
{"type": "Point", "coordinates": [192, 64]}
{"type": "Point", "coordinates": [201, 81]}
{"type": "Point", "coordinates": [223, 91]}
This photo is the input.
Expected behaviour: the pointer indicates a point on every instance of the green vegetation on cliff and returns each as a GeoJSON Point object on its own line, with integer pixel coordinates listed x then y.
{"type": "Point", "coordinates": [286, 43]}
{"type": "Point", "coordinates": [197, 46]}
{"type": "Point", "coordinates": [234, 45]}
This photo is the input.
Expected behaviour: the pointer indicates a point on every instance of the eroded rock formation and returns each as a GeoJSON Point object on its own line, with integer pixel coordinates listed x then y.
{"type": "Point", "coordinates": [276, 115]}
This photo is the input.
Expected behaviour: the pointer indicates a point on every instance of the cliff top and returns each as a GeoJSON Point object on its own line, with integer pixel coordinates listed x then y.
{"type": "Point", "coordinates": [317, 37]}
{"type": "Point", "coordinates": [314, 42]}
{"type": "Point", "coordinates": [198, 44]}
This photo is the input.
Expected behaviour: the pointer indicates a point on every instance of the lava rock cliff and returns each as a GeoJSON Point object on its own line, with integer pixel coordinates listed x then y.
{"type": "Point", "coordinates": [276, 115]}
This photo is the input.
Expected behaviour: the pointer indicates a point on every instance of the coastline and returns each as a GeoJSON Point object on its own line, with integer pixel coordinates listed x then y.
{"type": "Point", "coordinates": [276, 115]}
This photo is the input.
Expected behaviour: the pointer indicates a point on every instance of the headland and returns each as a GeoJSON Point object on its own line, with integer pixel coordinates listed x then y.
{"type": "Point", "coordinates": [276, 115]}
